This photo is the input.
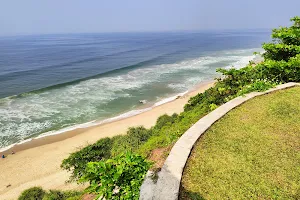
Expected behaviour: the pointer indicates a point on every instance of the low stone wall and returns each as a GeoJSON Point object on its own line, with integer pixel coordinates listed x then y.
{"type": "Point", "coordinates": [167, 185]}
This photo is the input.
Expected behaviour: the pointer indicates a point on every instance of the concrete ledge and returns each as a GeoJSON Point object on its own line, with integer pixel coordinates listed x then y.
{"type": "Point", "coordinates": [169, 178]}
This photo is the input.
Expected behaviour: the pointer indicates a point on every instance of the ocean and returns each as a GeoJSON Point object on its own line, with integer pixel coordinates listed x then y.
{"type": "Point", "coordinates": [53, 83]}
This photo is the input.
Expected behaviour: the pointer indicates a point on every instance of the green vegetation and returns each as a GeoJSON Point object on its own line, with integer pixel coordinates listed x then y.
{"type": "Point", "coordinates": [286, 42]}
{"type": "Point", "coordinates": [251, 153]}
{"type": "Point", "coordinates": [138, 140]}
{"type": "Point", "coordinates": [281, 64]}
{"type": "Point", "coordinates": [77, 161]}
{"type": "Point", "coordinates": [37, 193]}
{"type": "Point", "coordinates": [34, 193]}
{"type": "Point", "coordinates": [62, 195]}
{"type": "Point", "coordinates": [103, 149]}
{"type": "Point", "coordinates": [118, 178]}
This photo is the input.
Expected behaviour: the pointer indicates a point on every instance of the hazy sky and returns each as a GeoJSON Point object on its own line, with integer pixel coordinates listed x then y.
{"type": "Point", "coordinates": [68, 16]}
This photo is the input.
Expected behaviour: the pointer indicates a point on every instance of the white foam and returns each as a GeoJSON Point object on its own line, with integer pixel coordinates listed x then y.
{"type": "Point", "coordinates": [95, 123]}
{"type": "Point", "coordinates": [12, 145]}
{"type": "Point", "coordinates": [7, 147]}
{"type": "Point", "coordinates": [242, 62]}
{"type": "Point", "coordinates": [169, 99]}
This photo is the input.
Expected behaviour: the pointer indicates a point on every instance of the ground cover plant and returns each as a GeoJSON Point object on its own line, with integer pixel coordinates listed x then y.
{"type": "Point", "coordinates": [251, 153]}
{"type": "Point", "coordinates": [38, 193]}
{"type": "Point", "coordinates": [118, 178]}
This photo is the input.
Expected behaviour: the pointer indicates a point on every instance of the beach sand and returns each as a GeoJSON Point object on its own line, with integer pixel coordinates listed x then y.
{"type": "Point", "coordinates": [37, 163]}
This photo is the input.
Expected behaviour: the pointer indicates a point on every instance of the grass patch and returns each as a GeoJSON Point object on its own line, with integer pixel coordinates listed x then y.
{"type": "Point", "coordinates": [251, 153]}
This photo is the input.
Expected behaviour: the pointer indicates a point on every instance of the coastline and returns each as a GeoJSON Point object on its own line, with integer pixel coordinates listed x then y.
{"type": "Point", "coordinates": [65, 133]}
{"type": "Point", "coordinates": [37, 162]}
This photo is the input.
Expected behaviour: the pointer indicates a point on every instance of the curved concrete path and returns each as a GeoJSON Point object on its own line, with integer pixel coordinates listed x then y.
{"type": "Point", "coordinates": [168, 183]}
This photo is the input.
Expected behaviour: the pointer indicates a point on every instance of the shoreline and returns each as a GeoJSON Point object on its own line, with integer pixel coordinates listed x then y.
{"type": "Point", "coordinates": [72, 131]}
{"type": "Point", "coordinates": [79, 128]}
{"type": "Point", "coordinates": [37, 162]}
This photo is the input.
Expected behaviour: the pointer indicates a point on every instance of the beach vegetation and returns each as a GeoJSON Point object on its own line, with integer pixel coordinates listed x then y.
{"type": "Point", "coordinates": [165, 120]}
{"type": "Point", "coordinates": [135, 137]}
{"type": "Point", "coordinates": [116, 178]}
{"type": "Point", "coordinates": [105, 148]}
{"type": "Point", "coordinates": [38, 193]}
{"type": "Point", "coordinates": [62, 195]}
{"type": "Point", "coordinates": [77, 161]}
{"type": "Point", "coordinates": [34, 193]}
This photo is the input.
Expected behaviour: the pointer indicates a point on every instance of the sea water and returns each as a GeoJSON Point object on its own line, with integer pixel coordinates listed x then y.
{"type": "Point", "coordinates": [53, 83]}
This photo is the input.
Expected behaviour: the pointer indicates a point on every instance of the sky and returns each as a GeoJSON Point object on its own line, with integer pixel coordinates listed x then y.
{"type": "Point", "coordinates": [82, 16]}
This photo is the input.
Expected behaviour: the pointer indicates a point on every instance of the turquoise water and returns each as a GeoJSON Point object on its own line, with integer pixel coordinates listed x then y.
{"type": "Point", "coordinates": [53, 82]}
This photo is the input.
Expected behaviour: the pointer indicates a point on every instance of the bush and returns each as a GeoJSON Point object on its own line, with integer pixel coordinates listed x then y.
{"type": "Point", "coordinates": [62, 195]}
{"type": "Point", "coordinates": [286, 42]}
{"type": "Point", "coordinates": [169, 133]}
{"type": "Point", "coordinates": [280, 51]}
{"type": "Point", "coordinates": [37, 193]}
{"type": "Point", "coordinates": [165, 120]}
{"type": "Point", "coordinates": [288, 35]}
{"type": "Point", "coordinates": [76, 162]}
{"type": "Point", "coordinates": [117, 178]}
{"type": "Point", "coordinates": [135, 137]}
{"type": "Point", "coordinates": [103, 149]}
{"type": "Point", "coordinates": [54, 195]}
{"type": "Point", "coordinates": [34, 193]}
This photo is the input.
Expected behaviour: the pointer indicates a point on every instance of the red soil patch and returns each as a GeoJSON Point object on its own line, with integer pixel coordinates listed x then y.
{"type": "Point", "coordinates": [88, 197]}
{"type": "Point", "coordinates": [158, 156]}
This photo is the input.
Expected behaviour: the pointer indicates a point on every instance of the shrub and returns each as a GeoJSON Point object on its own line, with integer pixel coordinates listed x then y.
{"type": "Point", "coordinates": [76, 162]}
{"type": "Point", "coordinates": [134, 138]}
{"type": "Point", "coordinates": [280, 51]}
{"type": "Point", "coordinates": [170, 132]}
{"type": "Point", "coordinates": [34, 193]}
{"type": "Point", "coordinates": [62, 195]}
{"type": "Point", "coordinates": [117, 178]}
{"type": "Point", "coordinates": [165, 120]}
{"type": "Point", "coordinates": [286, 41]}
{"type": "Point", "coordinates": [37, 193]}
{"type": "Point", "coordinates": [213, 106]}
{"type": "Point", "coordinates": [258, 85]}
{"type": "Point", "coordinates": [105, 148]}
{"type": "Point", "coordinates": [54, 195]}
{"type": "Point", "coordinates": [288, 35]}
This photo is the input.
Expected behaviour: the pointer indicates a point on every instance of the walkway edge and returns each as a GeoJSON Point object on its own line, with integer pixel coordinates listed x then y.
{"type": "Point", "coordinates": [169, 178]}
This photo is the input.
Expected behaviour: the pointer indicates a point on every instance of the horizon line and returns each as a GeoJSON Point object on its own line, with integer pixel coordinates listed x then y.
{"type": "Point", "coordinates": [146, 31]}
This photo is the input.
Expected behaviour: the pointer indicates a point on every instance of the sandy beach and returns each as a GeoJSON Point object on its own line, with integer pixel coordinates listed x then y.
{"type": "Point", "coordinates": [37, 163]}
